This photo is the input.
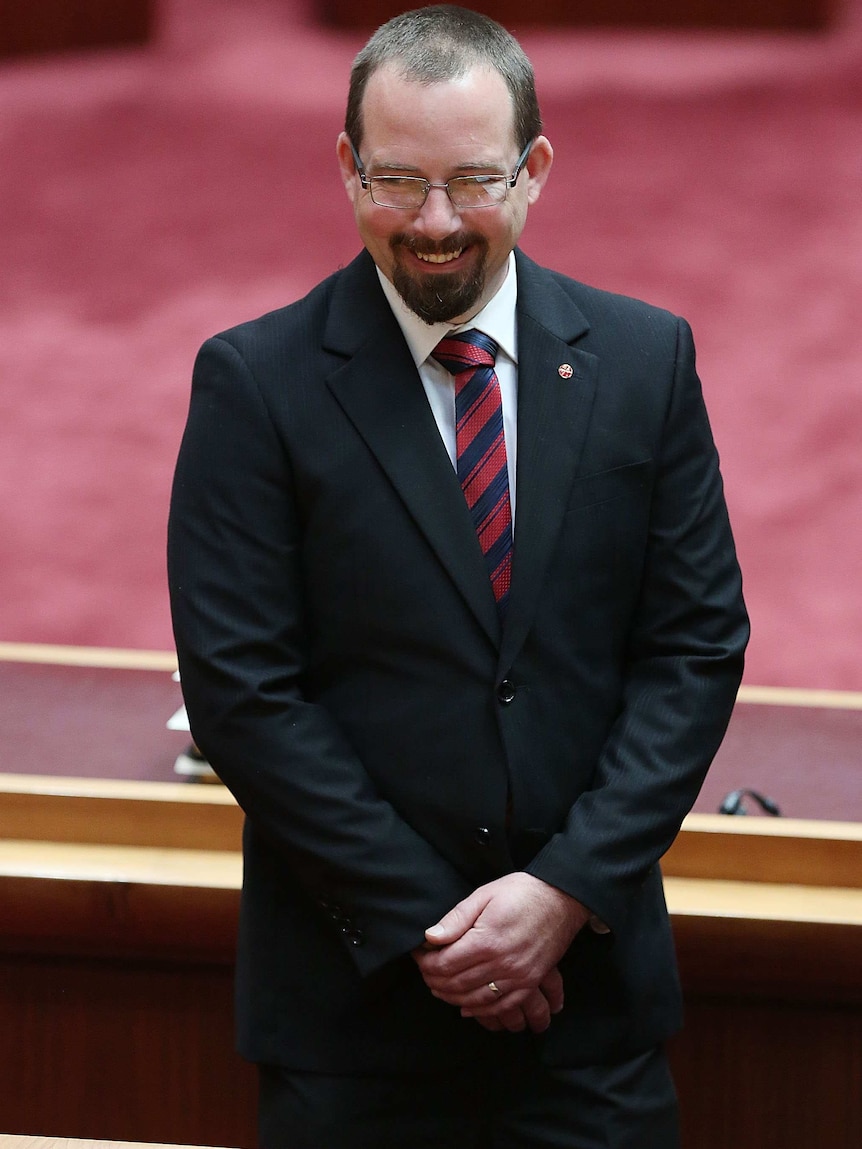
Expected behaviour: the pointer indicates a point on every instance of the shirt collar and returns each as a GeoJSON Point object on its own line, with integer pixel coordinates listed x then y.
{"type": "Point", "coordinates": [496, 319]}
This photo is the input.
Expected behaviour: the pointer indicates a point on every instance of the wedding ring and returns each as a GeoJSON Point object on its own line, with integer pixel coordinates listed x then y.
{"type": "Point", "coordinates": [494, 988]}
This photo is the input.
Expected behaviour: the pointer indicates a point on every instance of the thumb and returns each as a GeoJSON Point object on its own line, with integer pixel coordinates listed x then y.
{"type": "Point", "coordinates": [458, 921]}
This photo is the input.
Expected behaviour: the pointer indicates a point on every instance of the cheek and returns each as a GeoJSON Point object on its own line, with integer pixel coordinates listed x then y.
{"type": "Point", "coordinates": [506, 234]}
{"type": "Point", "coordinates": [365, 220]}
{"type": "Point", "coordinates": [375, 234]}
{"type": "Point", "coordinates": [378, 234]}
{"type": "Point", "coordinates": [519, 215]}
{"type": "Point", "coordinates": [370, 220]}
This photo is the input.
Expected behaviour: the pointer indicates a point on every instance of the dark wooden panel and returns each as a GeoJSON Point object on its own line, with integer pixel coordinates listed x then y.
{"type": "Point", "coordinates": [143, 1051]}
{"type": "Point", "coordinates": [117, 1020]}
{"type": "Point", "coordinates": [59, 25]}
{"type": "Point", "coordinates": [769, 1075]}
{"type": "Point", "coordinates": [132, 1051]}
{"type": "Point", "coordinates": [808, 14]}
{"type": "Point", "coordinates": [783, 961]}
{"type": "Point", "coordinates": [124, 918]}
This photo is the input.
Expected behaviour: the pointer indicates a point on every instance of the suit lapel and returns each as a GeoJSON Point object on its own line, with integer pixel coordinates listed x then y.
{"type": "Point", "coordinates": [553, 416]}
{"type": "Point", "coordinates": [379, 389]}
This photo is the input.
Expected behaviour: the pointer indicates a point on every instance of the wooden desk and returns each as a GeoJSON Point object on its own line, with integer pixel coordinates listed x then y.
{"type": "Point", "coordinates": [116, 966]}
{"type": "Point", "coordinates": [119, 908]}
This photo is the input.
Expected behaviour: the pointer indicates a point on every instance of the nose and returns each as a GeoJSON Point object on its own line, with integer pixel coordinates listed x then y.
{"type": "Point", "coordinates": [438, 216]}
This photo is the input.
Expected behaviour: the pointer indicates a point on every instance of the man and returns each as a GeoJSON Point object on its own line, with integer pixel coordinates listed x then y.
{"type": "Point", "coordinates": [460, 760]}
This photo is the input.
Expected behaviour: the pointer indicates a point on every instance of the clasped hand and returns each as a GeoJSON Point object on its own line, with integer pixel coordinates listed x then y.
{"type": "Point", "coordinates": [511, 932]}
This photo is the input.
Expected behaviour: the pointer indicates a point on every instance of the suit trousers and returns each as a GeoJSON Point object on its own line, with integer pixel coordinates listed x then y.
{"type": "Point", "coordinates": [508, 1101]}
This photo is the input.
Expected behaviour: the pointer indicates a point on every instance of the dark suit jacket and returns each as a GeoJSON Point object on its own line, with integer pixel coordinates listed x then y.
{"type": "Point", "coordinates": [346, 673]}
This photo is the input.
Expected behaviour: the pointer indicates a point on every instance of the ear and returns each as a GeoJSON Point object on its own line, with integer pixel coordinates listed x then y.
{"type": "Point", "coordinates": [538, 167]}
{"type": "Point", "coordinates": [347, 167]}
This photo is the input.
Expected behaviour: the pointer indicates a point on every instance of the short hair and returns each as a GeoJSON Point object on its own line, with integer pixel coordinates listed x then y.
{"type": "Point", "coordinates": [443, 42]}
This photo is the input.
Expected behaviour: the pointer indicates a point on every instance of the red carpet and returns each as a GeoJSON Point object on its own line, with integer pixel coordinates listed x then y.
{"type": "Point", "coordinates": [149, 198]}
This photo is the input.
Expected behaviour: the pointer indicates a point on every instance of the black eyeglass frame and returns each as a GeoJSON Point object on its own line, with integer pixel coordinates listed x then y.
{"type": "Point", "coordinates": [509, 182]}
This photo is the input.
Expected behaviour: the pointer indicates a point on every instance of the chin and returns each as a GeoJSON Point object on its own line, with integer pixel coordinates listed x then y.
{"type": "Point", "coordinates": [440, 298]}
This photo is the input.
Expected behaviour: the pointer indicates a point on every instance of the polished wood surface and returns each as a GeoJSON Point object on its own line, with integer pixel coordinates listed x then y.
{"type": "Point", "coordinates": [118, 811]}
{"type": "Point", "coordinates": [133, 900]}
{"type": "Point", "coordinates": [176, 815]}
{"type": "Point", "coordinates": [794, 850]}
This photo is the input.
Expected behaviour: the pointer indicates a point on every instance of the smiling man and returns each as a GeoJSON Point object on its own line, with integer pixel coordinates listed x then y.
{"type": "Point", "coordinates": [460, 624]}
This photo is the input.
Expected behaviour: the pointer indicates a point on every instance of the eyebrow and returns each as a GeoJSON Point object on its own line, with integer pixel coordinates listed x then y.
{"type": "Point", "coordinates": [465, 169]}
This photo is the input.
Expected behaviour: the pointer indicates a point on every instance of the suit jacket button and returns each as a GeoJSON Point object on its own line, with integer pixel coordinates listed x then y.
{"type": "Point", "coordinates": [482, 836]}
{"type": "Point", "coordinates": [506, 692]}
{"type": "Point", "coordinates": [354, 936]}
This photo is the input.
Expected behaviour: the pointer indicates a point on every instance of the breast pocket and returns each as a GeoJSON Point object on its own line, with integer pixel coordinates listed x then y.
{"type": "Point", "coordinates": [633, 481]}
{"type": "Point", "coordinates": [603, 541]}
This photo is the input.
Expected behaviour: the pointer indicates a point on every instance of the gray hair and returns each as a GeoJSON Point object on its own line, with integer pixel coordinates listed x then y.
{"type": "Point", "coordinates": [443, 42]}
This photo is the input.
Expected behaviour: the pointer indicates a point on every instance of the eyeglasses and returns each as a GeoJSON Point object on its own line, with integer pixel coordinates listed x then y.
{"type": "Point", "coordinates": [410, 192]}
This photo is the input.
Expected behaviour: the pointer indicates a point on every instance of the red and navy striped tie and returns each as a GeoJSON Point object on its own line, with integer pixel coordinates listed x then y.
{"type": "Point", "coordinates": [481, 449]}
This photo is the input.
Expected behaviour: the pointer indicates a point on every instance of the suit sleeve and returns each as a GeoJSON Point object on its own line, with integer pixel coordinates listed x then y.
{"type": "Point", "coordinates": [682, 670]}
{"type": "Point", "coordinates": [235, 575]}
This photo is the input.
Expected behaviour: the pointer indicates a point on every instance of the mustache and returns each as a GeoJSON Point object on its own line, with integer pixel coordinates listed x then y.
{"type": "Point", "coordinates": [421, 245]}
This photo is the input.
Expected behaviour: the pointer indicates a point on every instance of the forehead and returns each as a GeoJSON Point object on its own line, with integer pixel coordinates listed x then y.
{"type": "Point", "coordinates": [469, 118]}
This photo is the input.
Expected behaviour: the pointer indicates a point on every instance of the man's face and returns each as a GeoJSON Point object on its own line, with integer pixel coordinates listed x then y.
{"type": "Point", "coordinates": [446, 263]}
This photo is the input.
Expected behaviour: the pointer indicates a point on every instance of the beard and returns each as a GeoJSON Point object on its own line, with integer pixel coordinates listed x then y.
{"type": "Point", "coordinates": [440, 297]}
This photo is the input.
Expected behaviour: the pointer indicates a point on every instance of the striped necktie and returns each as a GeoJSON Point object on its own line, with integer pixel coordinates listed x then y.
{"type": "Point", "coordinates": [481, 449]}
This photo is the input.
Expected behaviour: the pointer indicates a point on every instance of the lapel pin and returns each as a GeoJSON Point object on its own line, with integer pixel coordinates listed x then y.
{"type": "Point", "coordinates": [566, 370]}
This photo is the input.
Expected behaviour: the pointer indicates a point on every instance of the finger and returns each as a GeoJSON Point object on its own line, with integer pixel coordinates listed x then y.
{"type": "Point", "coordinates": [491, 1024]}
{"type": "Point", "coordinates": [482, 998]}
{"type": "Point", "coordinates": [470, 987]}
{"type": "Point", "coordinates": [459, 919]}
{"type": "Point", "coordinates": [471, 960]}
{"type": "Point", "coordinates": [426, 947]}
{"type": "Point", "coordinates": [497, 1006]}
{"type": "Point", "coordinates": [551, 986]}
{"type": "Point", "coordinates": [514, 1020]}
{"type": "Point", "coordinates": [537, 1011]}
{"type": "Point", "coordinates": [531, 1004]}
{"type": "Point", "coordinates": [477, 1001]}
{"type": "Point", "coordinates": [508, 1017]}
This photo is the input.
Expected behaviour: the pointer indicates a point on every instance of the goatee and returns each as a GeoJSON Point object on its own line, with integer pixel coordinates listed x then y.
{"type": "Point", "coordinates": [440, 298]}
